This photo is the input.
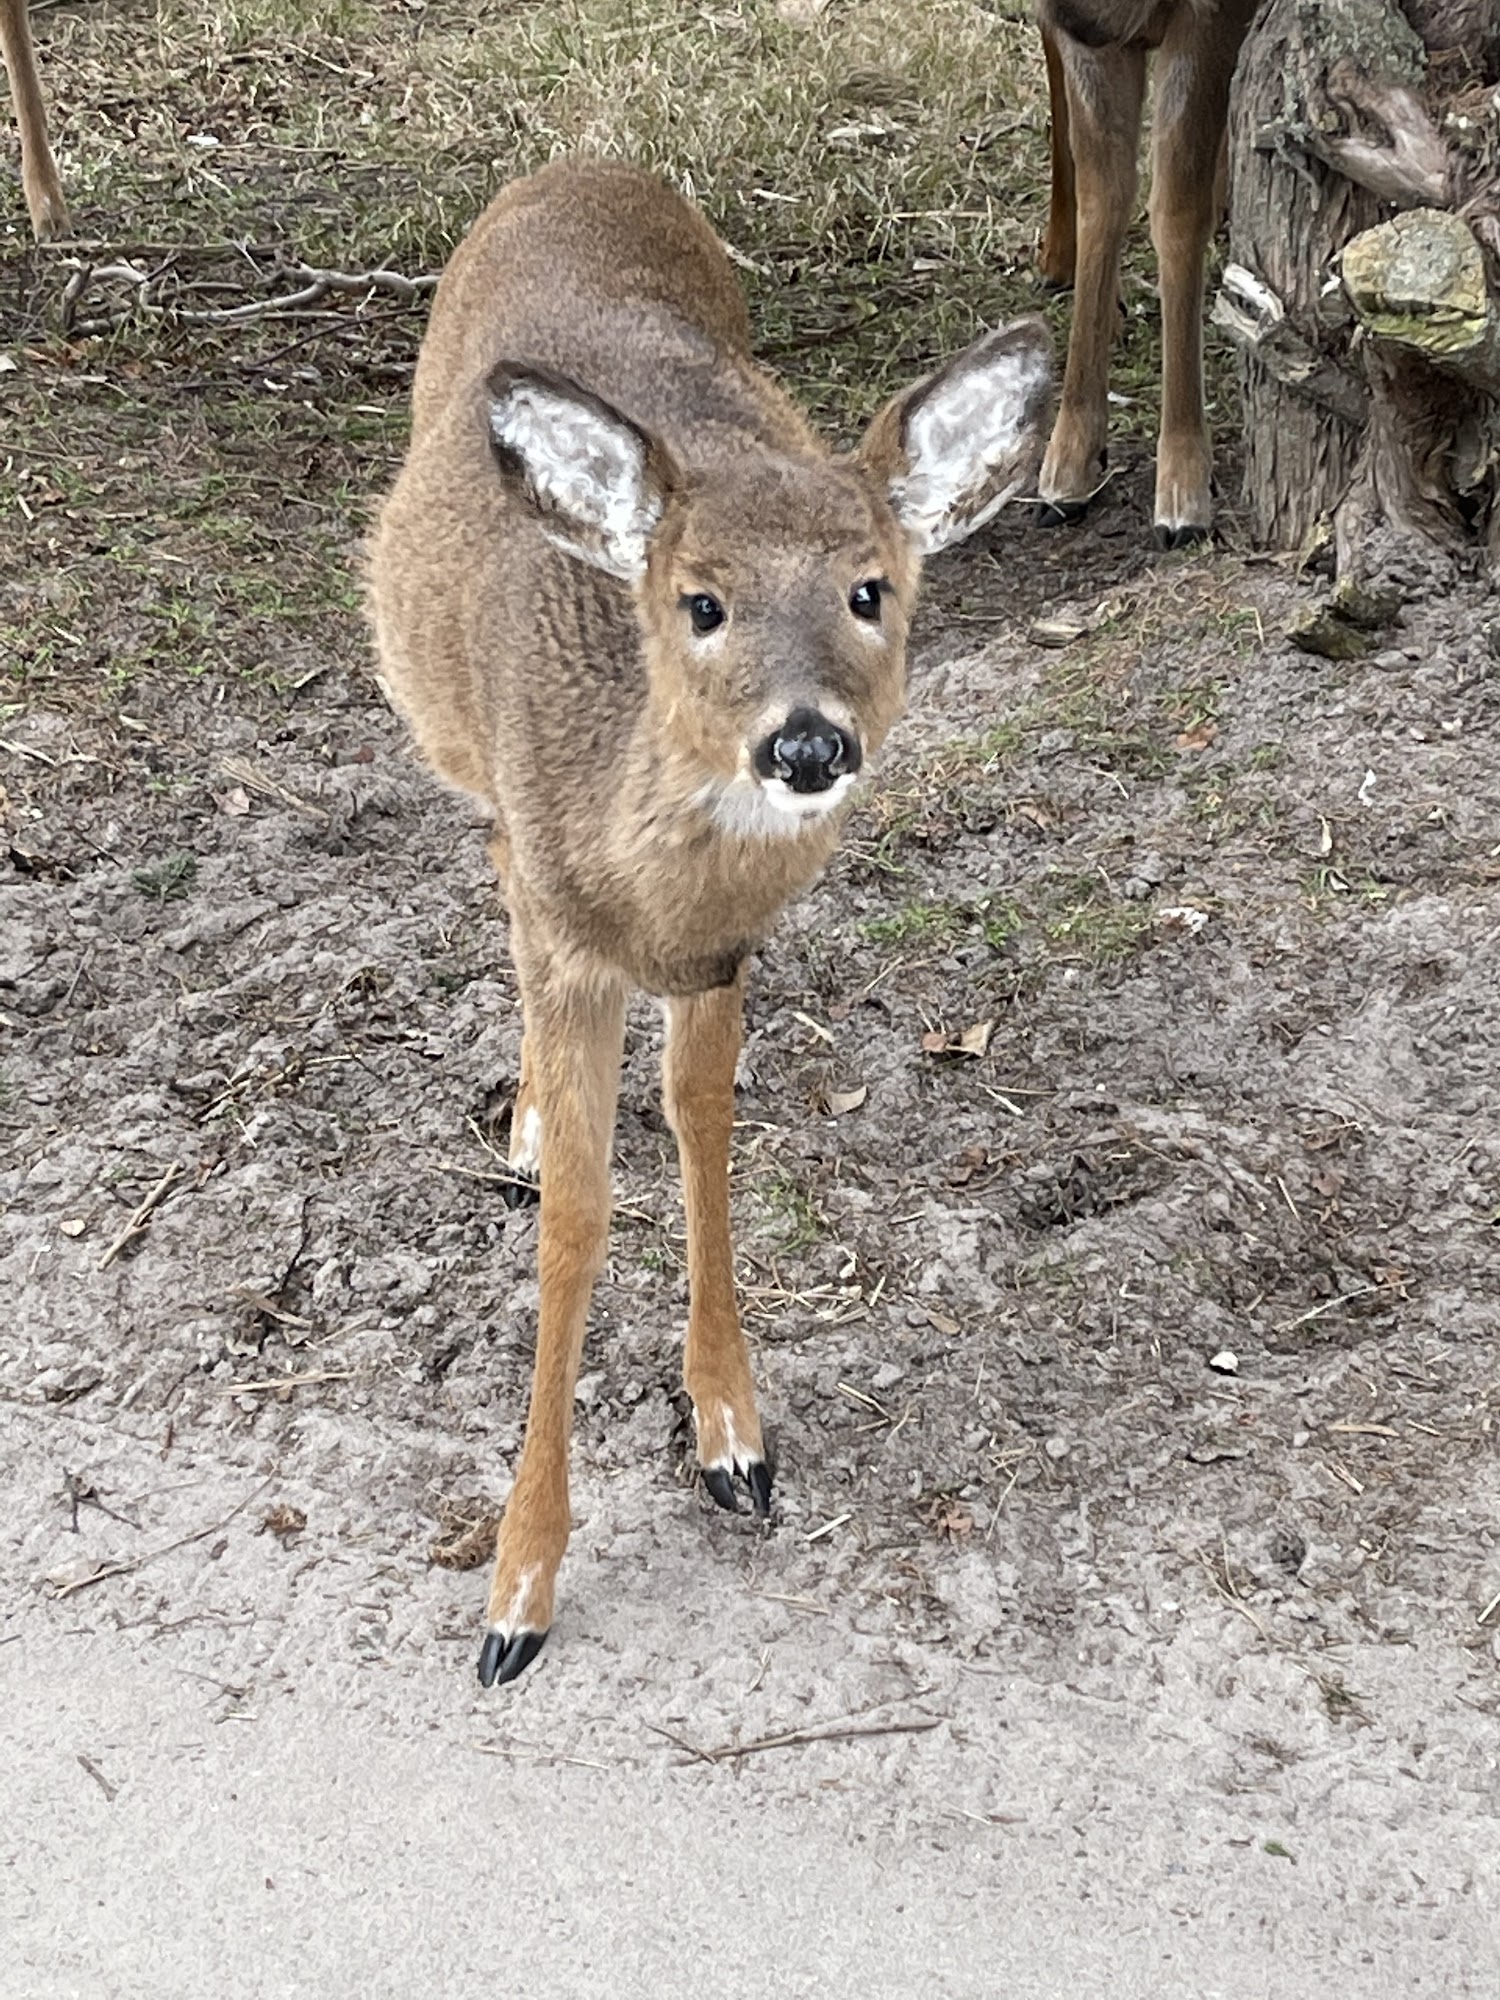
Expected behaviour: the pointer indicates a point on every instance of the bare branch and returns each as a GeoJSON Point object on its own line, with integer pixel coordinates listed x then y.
{"type": "Point", "coordinates": [1254, 318]}
{"type": "Point", "coordinates": [1414, 168]}
{"type": "Point", "coordinates": [313, 285]}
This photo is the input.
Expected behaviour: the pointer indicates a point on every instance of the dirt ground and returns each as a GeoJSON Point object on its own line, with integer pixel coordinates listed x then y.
{"type": "Point", "coordinates": [1118, 1204]}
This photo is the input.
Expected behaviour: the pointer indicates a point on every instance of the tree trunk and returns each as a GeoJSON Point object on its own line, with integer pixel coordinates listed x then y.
{"type": "Point", "coordinates": [1362, 288]}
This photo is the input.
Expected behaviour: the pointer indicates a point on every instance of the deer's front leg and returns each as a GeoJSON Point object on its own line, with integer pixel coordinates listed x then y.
{"type": "Point", "coordinates": [1187, 191]}
{"type": "Point", "coordinates": [574, 1034]}
{"type": "Point", "coordinates": [703, 1046]}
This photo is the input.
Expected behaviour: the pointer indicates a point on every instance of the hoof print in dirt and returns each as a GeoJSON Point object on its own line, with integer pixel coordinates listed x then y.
{"type": "Point", "coordinates": [503, 1658]}
{"type": "Point", "coordinates": [1288, 1548]}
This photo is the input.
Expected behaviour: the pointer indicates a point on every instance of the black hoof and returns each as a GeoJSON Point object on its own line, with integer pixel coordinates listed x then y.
{"type": "Point", "coordinates": [720, 1486]}
{"type": "Point", "coordinates": [501, 1659]}
{"type": "Point", "coordinates": [1059, 513]}
{"type": "Point", "coordinates": [520, 1193]}
{"type": "Point", "coordinates": [1185, 537]}
{"type": "Point", "coordinates": [758, 1479]}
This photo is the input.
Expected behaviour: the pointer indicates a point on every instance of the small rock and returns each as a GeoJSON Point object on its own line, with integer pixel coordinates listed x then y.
{"type": "Point", "coordinates": [1225, 1362]}
{"type": "Point", "coordinates": [1056, 1447]}
{"type": "Point", "coordinates": [887, 1375]}
{"type": "Point", "coordinates": [1323, 632]}
{"type": "Point", "coordinates": [58, 1386]}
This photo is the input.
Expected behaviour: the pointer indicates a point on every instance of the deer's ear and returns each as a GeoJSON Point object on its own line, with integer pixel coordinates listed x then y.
{"type": "Point", "coordinates": [959, 444]}
{"type": "Point", "coordinates": [595, 480]}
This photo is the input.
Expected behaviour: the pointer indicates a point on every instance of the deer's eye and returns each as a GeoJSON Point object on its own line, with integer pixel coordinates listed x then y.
{"type": "Point", "coordinates": [864, 600]}
{"type": "Point", "coordinates": [706, 612]}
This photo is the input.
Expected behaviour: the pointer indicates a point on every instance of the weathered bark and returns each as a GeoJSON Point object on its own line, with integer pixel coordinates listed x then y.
{"type": "Point", "coordinates": [1369, 334]}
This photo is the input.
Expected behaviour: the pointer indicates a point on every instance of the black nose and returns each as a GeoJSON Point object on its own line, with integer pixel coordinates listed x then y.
{"type": "Point", "coordinates": [808, 752]}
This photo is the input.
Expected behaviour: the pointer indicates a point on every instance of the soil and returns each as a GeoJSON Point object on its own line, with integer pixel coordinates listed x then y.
{"type": "Point", "coordinates": [1118, 1203]}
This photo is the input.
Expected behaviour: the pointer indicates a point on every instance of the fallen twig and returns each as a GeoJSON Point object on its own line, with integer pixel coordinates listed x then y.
{"type": "Point", "coordinates": [790, 1738]}
{"type": "Point", "coordinates": [312, 285]}
{"type": "Point", "coordinates": [243, 772]}
{"type": "Point", "coordinates": [539, 1756]}
{"type": "Point", "coordinates": [288, 1381]}
{"type": "Point", "coordinates": [108, 1570]}
{"type": "Point", "coordinates": [136, 1226]}
{"type": "Point", "coordinates": [111, 1792]}
{"type": "Point", "coordinates": [527, 1181]}
{"type": "Point", "coordinates": [1359, 1292]}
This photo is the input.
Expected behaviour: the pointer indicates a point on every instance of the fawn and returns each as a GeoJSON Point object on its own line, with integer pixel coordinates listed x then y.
{"type": "Point", "coordinates": [623, 596]}
{"type": "Point", "coordinates": [1096, 78]}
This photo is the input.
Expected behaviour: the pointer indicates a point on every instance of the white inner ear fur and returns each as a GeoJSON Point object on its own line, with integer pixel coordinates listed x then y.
{"type": "Point", "coordinates": [588, 474]}
{"type": "Point", "coordinates": [969, 443]}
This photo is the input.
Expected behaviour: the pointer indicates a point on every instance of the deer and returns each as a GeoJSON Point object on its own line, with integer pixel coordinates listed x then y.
{"type": "Point", "coordinates": [39, 176]}
{"type": "Point", "coordinates": [1096, 54]}
{"type": "Point", "coordinates": [627, 600]}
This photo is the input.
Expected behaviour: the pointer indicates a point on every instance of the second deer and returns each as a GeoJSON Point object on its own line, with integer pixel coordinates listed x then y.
{"type": "Point", "coordinates": [1096, 74]}
{"type": "Point", "coordinates": [627, 599]}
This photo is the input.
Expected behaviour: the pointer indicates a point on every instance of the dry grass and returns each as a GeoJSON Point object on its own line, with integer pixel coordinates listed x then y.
{"type": "Point", "coordinates": [879, 170]}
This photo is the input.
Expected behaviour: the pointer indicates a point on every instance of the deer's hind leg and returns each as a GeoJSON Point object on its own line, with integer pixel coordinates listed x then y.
{"type": "Point", "coordinates": [1059, 252]}
{"type": "Point", "coordinates": [575, 1030]}
{"type": "Point", "coordinates": [703, 1046]}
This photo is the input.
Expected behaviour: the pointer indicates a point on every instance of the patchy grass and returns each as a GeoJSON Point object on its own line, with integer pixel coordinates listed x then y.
{"type": "Point", "coordinates": [167, 880]}
{"type": "Point", "coordinates": [789, 1220]}
{"type": "Point", "coordinates": [880, 174]}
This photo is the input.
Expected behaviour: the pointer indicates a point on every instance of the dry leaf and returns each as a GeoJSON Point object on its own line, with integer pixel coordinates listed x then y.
{"type": "Point", "coordinates": [285, 1523]}
{"type": "Point", "coordinates": [467, 1534]}
{"type": "Point", "coordinates": [975, 1040]}
{"type": "Point", "coordinates": [934, 1042]}
{"type": "Point", "coordinates": [949, 1518]}
{"type": "Point", "coordinates": [1196, 739]}
{"type": "Point", "coordinates": [234, 802]}
{"type": "Point", "coordinates": [840, 1101]}
{"type": "Point", "coordinates": [1182, 917]}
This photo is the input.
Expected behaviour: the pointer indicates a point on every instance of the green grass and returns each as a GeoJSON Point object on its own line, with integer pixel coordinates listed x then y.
{"type": "Point", "coordinates": [167, 880]}
{"type": "Point", "coordinates": [789, 1217]}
